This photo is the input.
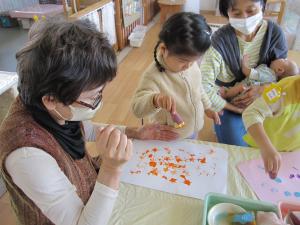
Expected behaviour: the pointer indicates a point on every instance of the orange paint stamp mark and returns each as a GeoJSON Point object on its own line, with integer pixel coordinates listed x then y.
{"type": "Point", "coordinates": [178, 159]}
{"type": "Point", "coordinates": [187, 182]}
{"type": "Point", "coordinates": [153, 172]}
{"type": "Point", "coordinates": [152, 163]}
{"type": "Point", "coordinates": [203, 160]}
{"type": "Point", "coordinates": [173, 180]}
{"type": "Point", "coordinates": [172, 165]}
{"type": "Point", "coordinates": [173, 172]}
{"type": "Point", "coordinates": [192, 159]}
{"type": "Point", "coordinates": [154, 149]}
{"type": "Point", "coordinates": [182, 176]}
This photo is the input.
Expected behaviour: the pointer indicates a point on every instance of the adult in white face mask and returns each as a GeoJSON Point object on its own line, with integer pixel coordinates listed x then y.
{"type": "Point", "coordinates": [63, 70]}
{"type": "Point", "coordinates": [247, 33]}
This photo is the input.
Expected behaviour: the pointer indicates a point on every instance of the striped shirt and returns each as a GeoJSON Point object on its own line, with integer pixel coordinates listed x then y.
{"type": "Point", "coordinates": [213, 66]}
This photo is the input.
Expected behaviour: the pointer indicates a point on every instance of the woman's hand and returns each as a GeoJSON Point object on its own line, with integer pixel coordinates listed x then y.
{"type": "Point", "coordinates": [272, 161]}
{"type": "Point", "coordinates": [157, 132]}
{"type": "Point", "coordinates": [248, 97]}
{"type": "Point", "coordinates": [213, 115]}
{"type": "Point", "coordinates": [115, 149]}
{"type": "Point", "coordinates": [164, 101]}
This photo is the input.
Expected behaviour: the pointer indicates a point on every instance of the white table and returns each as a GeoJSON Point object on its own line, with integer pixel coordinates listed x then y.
{"type": "Point", "coordinates": [7, 80]}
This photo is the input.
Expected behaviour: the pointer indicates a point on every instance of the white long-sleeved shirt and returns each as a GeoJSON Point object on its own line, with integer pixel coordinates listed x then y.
{"type": "Point", "coordinates": [38, 175]}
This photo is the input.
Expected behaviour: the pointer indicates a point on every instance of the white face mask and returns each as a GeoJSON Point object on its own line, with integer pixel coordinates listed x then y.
{"type": "Point", "coordinates": [248, 25]}
{"type": "Point", "coordinates": [81, 113]}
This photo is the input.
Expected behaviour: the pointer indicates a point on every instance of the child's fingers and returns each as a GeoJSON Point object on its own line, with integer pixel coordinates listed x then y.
{"type": "Point", "coordinates": [217, 119]}
{"type": "Point", "coordinates": [270, 165]}
{"type": "Point", "coordinates": [173, 108]}
{"type": "Point", "coordinates": [99, 131]}
{"type": "Point", "coordinates": [164, 103]}
{"type": "Point", "coordinates": [277, 166]}
{"type": "Point", "coordinates": [169, 104]}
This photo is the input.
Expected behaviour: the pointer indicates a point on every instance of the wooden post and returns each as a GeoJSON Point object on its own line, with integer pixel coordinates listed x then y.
{"type": "Point", "coordinates": [282, 10]}
{"type": "Point", "coordinates": [119, 24]}
{"type": "Point", "coordinates": [146, 12]}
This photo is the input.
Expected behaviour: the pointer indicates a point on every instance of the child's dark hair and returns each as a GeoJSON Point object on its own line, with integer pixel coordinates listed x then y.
{"type": "Point", "coordinates": [184, 33]}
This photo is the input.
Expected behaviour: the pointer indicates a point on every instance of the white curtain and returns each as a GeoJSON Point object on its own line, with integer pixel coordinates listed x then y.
{"type": "Point", "coordinates": [291, 24]}
{"type": "Point", "coordinates": [104, 19]}
{"type": "Point", "coordinates": [108, 22]}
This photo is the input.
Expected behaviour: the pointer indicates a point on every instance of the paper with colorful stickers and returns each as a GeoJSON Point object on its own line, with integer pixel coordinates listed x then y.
{"type": "Point", "coordinates": [181, 167]}
{"type": "Point", "coordinates": [286, 187]}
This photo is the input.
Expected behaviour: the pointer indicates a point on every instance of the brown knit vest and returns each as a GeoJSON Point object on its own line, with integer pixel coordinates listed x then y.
{"type": "Point", "coordinates": [20, 130]}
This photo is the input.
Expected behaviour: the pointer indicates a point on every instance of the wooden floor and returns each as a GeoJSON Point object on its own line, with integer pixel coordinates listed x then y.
{"type": "Point", "coordinates": [117, 98]}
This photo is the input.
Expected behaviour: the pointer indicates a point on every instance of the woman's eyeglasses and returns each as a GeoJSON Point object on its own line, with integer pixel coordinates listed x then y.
{"type": "Point", "coordinates": [96, 102]}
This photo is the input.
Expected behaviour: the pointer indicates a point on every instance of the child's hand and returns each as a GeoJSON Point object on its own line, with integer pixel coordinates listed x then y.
{"type": "Point", "coordinates": [245, 66]}
{"type": "Point", "coordinates": [213, 115]}
{"type": "Point", "coordinates": [272, 161]}
{"type": "Point", "coordinates": [222, 92]}
{"type": "Point", "coordinates": [164, 101]}
{"type": "Point", "coordinates": [234, 108]}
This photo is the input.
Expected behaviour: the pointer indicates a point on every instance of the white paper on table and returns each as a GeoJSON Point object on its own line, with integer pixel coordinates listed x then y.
{"type": "Point", "coordinates": [180, 167]}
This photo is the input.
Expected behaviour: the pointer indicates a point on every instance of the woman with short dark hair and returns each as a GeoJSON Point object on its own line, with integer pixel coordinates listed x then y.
{"type": "Point", "coordinates": [49, 175]}
{"type": "Point", "coordinates": [246, 34]}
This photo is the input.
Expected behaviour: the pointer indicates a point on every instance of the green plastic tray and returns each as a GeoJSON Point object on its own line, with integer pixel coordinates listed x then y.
{"type": "Point", "coordinates": [212, 199]}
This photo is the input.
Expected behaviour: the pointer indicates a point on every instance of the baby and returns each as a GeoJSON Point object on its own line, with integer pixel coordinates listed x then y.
{"type": "Point", "coordinates": [279, 68]}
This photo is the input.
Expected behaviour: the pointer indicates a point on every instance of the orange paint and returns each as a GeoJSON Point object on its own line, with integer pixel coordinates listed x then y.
{"type": "Point", "coordinates": [187, 182]}
{"type": "Point", "coordinates": [183, 177]}
{"type": "Point", "coordinates": [203, 160]}
{"type": "Point", "coordinates": [173, 180]}
{"type": "Point", "coordinates": [152, 163]}
{"type": "Point", "coordinates": [164, 177]}
{"type": "Point", "coordinates": [166, 169]}
{"type": "Point", "coordinates": [154, 149]}
{"type": "Point", "coordinates": [172, 165]}
{"type": "Point", "coordinates": [153, 172]}
{"type": "Point", "coordinates": [178, 159]}
{"type": "Point", "coordinates": [192, 159]}
{"type": "Point", "coordinates": [167, 158]}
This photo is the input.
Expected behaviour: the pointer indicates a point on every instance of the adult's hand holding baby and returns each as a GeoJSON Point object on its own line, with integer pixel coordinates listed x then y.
{"type": "Point", "coordinates": [248, 97]}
